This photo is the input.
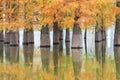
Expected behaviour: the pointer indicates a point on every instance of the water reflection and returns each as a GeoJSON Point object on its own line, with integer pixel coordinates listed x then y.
{"type": "Point", "coordinates": [28, 53]}
{"type": "Point", "coordinates": [63, 64]}
{"type": "Point", "coordinates": [55, 58]}
{"type": "Point", "coordinates": [14, 54]}
{"type": "Point", "coordinates": [117, 61]}
{"type": "Point", "coordinates": [1, 51]}
{"type": "Point", "coordinates": [45, 54]}
{"type": "Point", "coordinates": [77, 61]}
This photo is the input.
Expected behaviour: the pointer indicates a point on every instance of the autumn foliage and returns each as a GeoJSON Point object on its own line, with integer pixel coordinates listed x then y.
{"type": "Point", "coordinates": [16, 14]}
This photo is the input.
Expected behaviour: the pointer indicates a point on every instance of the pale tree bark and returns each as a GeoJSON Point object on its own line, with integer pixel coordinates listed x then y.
{"type": "Point", "coordinates": [77, 37]}
{"type": "Point", "coordinates": [117, 44]}
{"type": "Point", "coordinates": [77, 49]}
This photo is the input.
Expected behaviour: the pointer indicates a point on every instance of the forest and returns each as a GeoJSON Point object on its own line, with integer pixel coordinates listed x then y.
{"type": "Point", "coordinates": [70, 22]}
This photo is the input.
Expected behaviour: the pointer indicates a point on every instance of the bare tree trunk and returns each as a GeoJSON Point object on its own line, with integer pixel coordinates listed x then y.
{"type": "Point", "coordinates": [67, 42]}
{"type": "Point", "coordinates": [30, 36]}
{"type": "Point", "coordinates": [117, 45]}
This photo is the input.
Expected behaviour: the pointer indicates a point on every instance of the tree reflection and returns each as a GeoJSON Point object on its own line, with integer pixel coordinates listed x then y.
{"type": "Point", "coordinates": [55, 58]}
{"type": "Point", "coordinates": [28, 54]}
{"type": "Point", "coordinates": [45, 54]}
{"type": "Point", "coordinates": [77, 61]}
{"type": "Point", "coordinates": [117, 61]}
{"type": "Point", "coordinates": [1, 51]}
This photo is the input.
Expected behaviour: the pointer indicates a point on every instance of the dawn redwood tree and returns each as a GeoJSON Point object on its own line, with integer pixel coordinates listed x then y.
{"type": "Point", "coordinates": [28, 22]}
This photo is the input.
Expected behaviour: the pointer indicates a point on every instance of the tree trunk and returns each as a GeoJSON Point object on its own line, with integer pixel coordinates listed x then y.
{"type": "Point", "coordinates": [45, 48]}
{"type": "Point", "coordinates": [117, 45]}
{"type": "Point", "coordinates": [28, 37]}
{"type": "Point", "coordinates": [61, 43]}
{"type": "Point", "coordinates": [14, 47]}
{"type": "Point", "coordinates": [7, 37]}
{"type": "Point", "coordinates": [100, 48]}
{"type": "Point", "coordinates": [55, 34]}
{"type": "Point", "coordinates": [76, 49]}
{"type": "Point", "coordinates": [77, 37]}
{"type": "Point", "coordinates": [14, 38]}
{"type": "Point", "coordinates": [45, 37]}
{"type": "Point", "coordinates": [55, 47]}
{"type": "Point", "coordinates": [67, 42]}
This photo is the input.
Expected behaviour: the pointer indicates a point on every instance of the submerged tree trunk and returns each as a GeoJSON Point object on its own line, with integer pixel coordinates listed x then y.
{"type": "Point", "coordinates": [100, 49]}
{"type": "Point", "coordinates": [117, 45]}
{"type": "Point", "coordinates": [77, 62]}
{"type": "Point", "coordinates": [77, 37]}
{"type": "Point", "coordinates": [77, 49]}
{"type": "Point", "coordinates": [28, 37]}
{"type": "Point", "coordinates": [28, 54]}
{"type": "Point", "coordinates": [45, 48]}
{"type": "Point", "coordinates": [55, 34]}
{"type": "Point", "coordinates": [14, 38]}
{"type": "Point", "coordinates": [45, 37]}
{"type": "Point", "coordinates": [67, 42]}
{"type": "Point", "coordinates": [61, 42]}
{"type": "Point", "coordinates": [7, 37]}
{"type": "Point", "coordinates": [14, 47]}
{"type": "Point", "coordinates": [55, 47]}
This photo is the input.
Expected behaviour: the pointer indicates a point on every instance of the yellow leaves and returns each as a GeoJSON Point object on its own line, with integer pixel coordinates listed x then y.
{"type": "Point", "coordinates": [86, 22]}
{"type": "Point", "coordinates": [68, 22]}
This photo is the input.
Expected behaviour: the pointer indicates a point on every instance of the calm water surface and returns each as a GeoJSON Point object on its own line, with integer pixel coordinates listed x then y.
{"type": "Point", "coordinates": [75, 65]}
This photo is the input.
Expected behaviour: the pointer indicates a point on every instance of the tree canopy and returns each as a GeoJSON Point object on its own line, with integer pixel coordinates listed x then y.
{"type": "Point", "coordinates": [16, 14]}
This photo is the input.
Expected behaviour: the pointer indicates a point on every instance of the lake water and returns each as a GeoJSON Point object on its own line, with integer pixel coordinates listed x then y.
{"type": "Point", "coordinates": [57, 65]}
